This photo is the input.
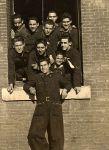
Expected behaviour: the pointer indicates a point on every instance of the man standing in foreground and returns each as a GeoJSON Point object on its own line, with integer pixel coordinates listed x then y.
{"type": "Point", "coordinates": [48, 113]}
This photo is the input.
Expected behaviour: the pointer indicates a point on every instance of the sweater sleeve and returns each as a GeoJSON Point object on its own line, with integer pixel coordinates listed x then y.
{"type": "Point", "coordinates": [11, 66]}
{"type": "Point", "coordinates": [66, 83]}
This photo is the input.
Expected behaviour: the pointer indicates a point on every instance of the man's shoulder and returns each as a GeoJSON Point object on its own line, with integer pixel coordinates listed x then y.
{"type": "Point", "coordinates": [32, 53]}
{"type": "Point", "coordinates": [12, 51]}
{"type": "Point", "coordinates": [56, 73]}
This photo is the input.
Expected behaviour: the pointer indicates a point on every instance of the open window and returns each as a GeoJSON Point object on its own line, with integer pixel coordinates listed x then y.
{"type": "Point", "coordinates": [40, 9]}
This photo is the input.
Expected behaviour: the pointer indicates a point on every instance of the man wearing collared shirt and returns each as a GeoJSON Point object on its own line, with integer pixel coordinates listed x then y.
{"type": "Point", "coordinates": [48, 113]}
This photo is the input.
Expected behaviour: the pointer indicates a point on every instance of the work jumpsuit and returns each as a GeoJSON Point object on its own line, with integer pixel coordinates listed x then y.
{"type": "Point", "coordinates": [48, 113]}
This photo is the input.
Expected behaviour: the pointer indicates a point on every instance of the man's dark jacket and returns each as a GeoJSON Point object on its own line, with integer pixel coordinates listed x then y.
{"type": "Point", "coordinates": [48, 86]}
{"type": "Point", "coordinates": [16, 61]}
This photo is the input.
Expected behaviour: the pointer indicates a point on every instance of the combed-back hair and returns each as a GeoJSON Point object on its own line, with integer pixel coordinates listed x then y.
{"type": "Point", "coordinates": [33, 18]}
{"type": "Point", "coordinates": [44, 41]}
{"type": "Point", "coordinates": [60, 52]}
{"type": "Point", "coordinates": [44, 58]}
{"type": "Point", "coordinates": [15, 16]}
{"type": "Point", "coordinates": [49, 21]}
{"type": "Point", "coordinates": [66, 15]}
{"type": "Point", "coordinates": [18, 38]}
{"type": "Point", "coordinates": [66, 37]}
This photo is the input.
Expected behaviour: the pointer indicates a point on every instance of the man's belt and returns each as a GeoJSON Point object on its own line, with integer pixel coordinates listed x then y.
{"type": "Point", "coordinates": [47, 99]}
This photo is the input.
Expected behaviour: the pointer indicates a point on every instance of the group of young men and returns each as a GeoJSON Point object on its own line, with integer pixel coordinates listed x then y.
{"type": "Point", "coordinates": [46, 58]}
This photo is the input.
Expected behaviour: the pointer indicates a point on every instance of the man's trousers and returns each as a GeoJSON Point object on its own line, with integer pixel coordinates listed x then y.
{"type": "Point", "coordinates": [47, 117]}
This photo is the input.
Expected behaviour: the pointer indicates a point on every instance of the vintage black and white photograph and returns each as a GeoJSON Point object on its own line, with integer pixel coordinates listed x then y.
{"type": "Point", "coordinates": [54, 76]}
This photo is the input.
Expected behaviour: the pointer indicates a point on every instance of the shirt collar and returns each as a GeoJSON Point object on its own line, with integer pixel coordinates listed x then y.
{"type": "Point", "coordinates": [63, 30]}
{"type": "Point", "coordinates": [44, 75]}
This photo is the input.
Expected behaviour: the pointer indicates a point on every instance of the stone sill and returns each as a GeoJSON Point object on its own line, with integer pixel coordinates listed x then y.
{"type": "Point", "coordinates": [20, 95]}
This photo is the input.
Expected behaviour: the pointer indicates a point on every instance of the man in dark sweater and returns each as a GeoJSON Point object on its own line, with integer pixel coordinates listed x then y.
{"type": "Point", "coordinates": [18, 27]}
{"type": "Point", "coordinates": [48, 33]}
{"type": "Point", "coordinates": [52, 15]}
{"type": "Point", "coordinates": [33, 33]}
{"type": "Point", "coordinates": [62, 66]}
{"type": "Point", "coordinates": [48, 113]}
{"type": "Point", "coordinates": [17, 63]}
{"type": "Point", "coordinates": [73, 58]}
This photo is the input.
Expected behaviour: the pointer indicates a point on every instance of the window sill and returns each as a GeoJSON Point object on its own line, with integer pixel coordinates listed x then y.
{"type": "Point", "coordinates": [20, 95]}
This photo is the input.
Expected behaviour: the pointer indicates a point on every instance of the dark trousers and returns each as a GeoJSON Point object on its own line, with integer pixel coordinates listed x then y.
{"type": "Point", "coordinates": [47, 117]}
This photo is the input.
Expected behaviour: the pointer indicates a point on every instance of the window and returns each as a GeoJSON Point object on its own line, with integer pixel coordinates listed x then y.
{"type": "Point", "coordinates": [40, 8]}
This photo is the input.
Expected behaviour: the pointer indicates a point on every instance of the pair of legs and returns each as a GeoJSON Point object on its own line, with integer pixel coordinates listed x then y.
{"type": "Point", "coordinates": [47, 117]}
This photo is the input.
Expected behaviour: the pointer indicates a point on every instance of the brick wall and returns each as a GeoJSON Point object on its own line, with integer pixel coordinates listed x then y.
{"type": "Point", "coordinates": [86, 122]}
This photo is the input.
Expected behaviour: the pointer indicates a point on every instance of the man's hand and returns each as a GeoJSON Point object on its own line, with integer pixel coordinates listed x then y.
{"type": "Point", "coordinates": [77, 89]}
{"type": "Point", "coordinates": [35, 66]}
{"type": "Point", "coordinates": [64, 93]}
{"type": "Point", "coordinates": [10, 88]}
{"type": "Point", "coordinates": [12, 34]}
{"type": "Point", "coordinates": [51, 59]}
{"type": "Point", "coordinates": [32, 90]}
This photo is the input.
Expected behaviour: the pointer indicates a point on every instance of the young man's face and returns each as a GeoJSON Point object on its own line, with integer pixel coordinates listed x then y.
{"type": "Point", "coordinates": [18, 22]}
{"type": "Point", "coordinates": [66, 23]}
{"type": "Point", "coordinates": [59, 59]}
{"type": "Point", "coordinates": [52, 16]}
{"type": "Point", "coordinates": [41, 48]}
{"type": "Point", "coordinates": [19, 46]}
{"type": "Point", "coordinates": [48, 28]}
{"type": "Point", "coordinates": [33, 25]}
{"type": "Point", "coordinates": [65, 44]}
{"type": "Point", "coordinates": [44, 67]}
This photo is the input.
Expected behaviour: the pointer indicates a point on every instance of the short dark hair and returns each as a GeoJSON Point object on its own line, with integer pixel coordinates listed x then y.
{"type": "Point", "coordinates": [44, 41]}
{"type": "Point", "coordinates": [18, 38]}
{"type": "Point", "coordinates": [66, 37]}
{"type": "Point", "coordinates": [60, 52]}
{"type": "Point", "coordinates": [15, 16]}
{"type": "Point", "coordinates": [52, 11]}
{"type": "Point", "coordinates": [66, 15]}
{"type": "Point", "coordinates": [33, 18]}
{"type": "Point", "coordinates": [44, 58]}
{"type": "Point", "coordinates": [50, 22]}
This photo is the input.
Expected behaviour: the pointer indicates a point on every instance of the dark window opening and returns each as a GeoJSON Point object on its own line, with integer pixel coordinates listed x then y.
{"type": "Point", "coordinates": [40, 8]}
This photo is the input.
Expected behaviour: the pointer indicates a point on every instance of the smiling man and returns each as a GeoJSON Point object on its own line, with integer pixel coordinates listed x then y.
{"type": "Point", "coordinates": [17, 63]}
{"type": "Point", "coordinates": [19, 28]}
{"type": "Point", "coordinates": [73, 59]}
{"type": "Point", "coordinates": [52, 15]}
{"type": "Point", "coordinates": [48, 33]}
{"type": "Point", "coordinates": [48, 113]}
{"type": "Point", "coordinates": [33, 32]}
